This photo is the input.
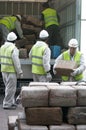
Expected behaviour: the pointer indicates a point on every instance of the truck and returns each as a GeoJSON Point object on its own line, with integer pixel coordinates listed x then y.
{"type": "Point", "coordinates": [72, 22]}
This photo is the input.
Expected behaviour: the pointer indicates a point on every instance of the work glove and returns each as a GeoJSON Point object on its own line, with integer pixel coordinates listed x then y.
{"type": "Point", "coordinates": [24, 38]}
{"type": "Point", "coordinates": [75, 72]}
{"type": "Point", "coordinates": [49, 77]}
{"type": "Point", "coordinates": [21, 75]}
{"type": "Point", "coordinates": [54, 71]}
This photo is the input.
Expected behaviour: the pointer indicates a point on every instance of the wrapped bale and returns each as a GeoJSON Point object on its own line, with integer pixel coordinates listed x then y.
{"type": "Point", "coordinates": [44, 116]}
{"type": "Point", "coordinates": [65, 67]}
{"type": "Point", "coordinates": [12, 122]}
{"type": "Point", "coordinates": [80, 127]}
{"type": "Point", "coordinates": [31, 37]}
{"type": "Point", "coordinates": [21, 43]}
{"type": "Point", "coordinates": [83, 83]}
{"type": "Point", "coordinates": [68, 83]}
{"type": "Point", "coordinates": [63, 96]}
{"type": "Point", "coordinates": [42, 84]}
{"type": "Point", "coordinates": [22, 125]}
{"type": "Point", "coordinates": [81, 95]}
{"type": "Point", "coordinates": [62, 127]}
{"type": "Point", "coordinates": [77, 115]}
{"type": "Point", "coordinates": [30, 29]}
{"type": "Point", "coordinates": [23, 53]}
{"type": "Point", "coordinates": [34, 21]}
{"type": "Point", "coordinates": [28, 47]}
{"type": "Point", "coordinates": [34, 96]}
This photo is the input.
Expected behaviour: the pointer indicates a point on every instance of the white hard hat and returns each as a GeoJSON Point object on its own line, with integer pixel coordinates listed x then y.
{"type": "Point", "coordinates": [19, 16]}
{"type": "Point", "coordinates": [11, 36]}
{"type": "Point", "coordinates": [73, 43]}
{"type": "Point", "coordinates": [43, 34]}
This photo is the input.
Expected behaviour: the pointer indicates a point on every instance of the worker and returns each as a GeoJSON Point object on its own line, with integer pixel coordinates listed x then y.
{"type": "Point", "coordinates": [10, 68]}
{"type": "Point", "coordinates": [9, 24]}
{"type": "Point", "coordinates": [74, 55]}
{"type": "Point", "coordinates": [51, 22]}
{"type": "Point", "coordinates": [40, 55]}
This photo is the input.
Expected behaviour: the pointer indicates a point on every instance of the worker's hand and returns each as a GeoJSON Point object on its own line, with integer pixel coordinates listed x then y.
{"type": "Point", "coordinates": [21, 75]}
{"type": "Point", "coordinates": [75, 72]}
{"type": "Point", "coordinates": [49, 77]}
{"type": "Point", "coordinates": [54, 71]}
{"type": "Point", "coordinates": [24, 38]}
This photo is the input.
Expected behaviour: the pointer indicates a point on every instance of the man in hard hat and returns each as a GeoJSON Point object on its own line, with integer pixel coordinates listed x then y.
{"type": "Point", "coordinates": [40, 55]}
{"type": "Point", "coordinates": [10, 68]}
{"type": "Point", "coordinates": [11, 23]}
{"type": "Point", "coordinates": [74, 55]}
{"type": "Point", "coordinates": [51, 21]}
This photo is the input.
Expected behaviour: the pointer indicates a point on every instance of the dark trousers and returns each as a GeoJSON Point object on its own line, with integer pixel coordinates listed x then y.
{"type": "Point", "coordinates": [54, 35]}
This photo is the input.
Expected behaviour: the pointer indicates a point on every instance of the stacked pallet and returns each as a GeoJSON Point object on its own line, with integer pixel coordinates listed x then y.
{"type": "Point", "coordinates": [52, 106]}
{"type": "Point", "coordinates": [31, 27]}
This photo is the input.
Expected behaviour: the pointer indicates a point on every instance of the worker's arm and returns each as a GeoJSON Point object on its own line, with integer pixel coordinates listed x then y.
{"type": "Point", "coordinates": [60, 57]}
{"type": "Point", "coordinates": [81, 67]}
{"type": "Point", "coordinates": [46, 60]}
{"type": "Point", "coordinates": [16, 61]}
{"type": "Point", "coordinates": [19, 29]}
{"type": "Point", "coordinates": [58, 17]}
{"type": "Point", "coordinates": [30, 54]}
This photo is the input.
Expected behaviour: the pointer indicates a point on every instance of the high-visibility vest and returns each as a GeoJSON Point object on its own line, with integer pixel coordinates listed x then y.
{"type": "Point", "coordinates": [6, 59]}
{"type": "Point", "coordinates": [8, 22]}
{"type": "Point", "coordinates": [50, 17]}
{"type": "Point", "coordinates": [37, 60]}
{"type": "Point", "coordinates": [77, 56]}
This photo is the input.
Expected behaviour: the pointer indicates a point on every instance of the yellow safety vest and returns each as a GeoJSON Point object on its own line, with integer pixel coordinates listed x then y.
{"type": "Point", "coordinates": [6, 59]}
{"type": "Point", "coordinates": [77, 56]}
{"type": "Point", "coordinates": [8, 22]}
{"type": "Point", "coordinates": [37, 60]}
{"type": "Point", "coordinates": [50, 17]}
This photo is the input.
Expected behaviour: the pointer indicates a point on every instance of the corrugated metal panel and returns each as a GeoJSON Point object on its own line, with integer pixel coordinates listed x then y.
{"type": "Point", "coordinates": [24, 8]}
{"type": "Point", "coordinates": [26, 0]}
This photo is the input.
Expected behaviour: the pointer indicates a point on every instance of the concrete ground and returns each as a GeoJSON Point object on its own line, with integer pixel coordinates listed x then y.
{"type": "Point", "coordinates": [5, 113]}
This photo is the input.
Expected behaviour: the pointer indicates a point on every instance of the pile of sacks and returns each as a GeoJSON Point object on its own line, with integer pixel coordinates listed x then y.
{"type": "Point", "coordinates": [51, 106]}
{"type": "Point", "coordinates": [31, 26]}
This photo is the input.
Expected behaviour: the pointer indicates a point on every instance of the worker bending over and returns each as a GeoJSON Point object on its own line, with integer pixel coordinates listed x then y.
{"type": "Point", "coordinates": [74, 55]}
{"type": "Point", "coordinates": [9, 24]}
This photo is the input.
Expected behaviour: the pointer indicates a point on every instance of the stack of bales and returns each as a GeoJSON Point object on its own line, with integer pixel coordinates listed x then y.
{"type": "Point", "coordinates": [50, 106]}
{"type": "Point", "coordinates": [31, 27]}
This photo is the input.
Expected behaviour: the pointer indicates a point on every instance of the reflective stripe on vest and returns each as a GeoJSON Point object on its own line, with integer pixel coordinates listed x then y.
{"type": "Point", "coordinates": [37, 60]}
{"type": "Point", "coordinates": [9, 22]}
{"type": "Point", "coordinates": [6, 58]}
{"type": "Point", "coordinates": [50, 17]}
{"type": "Point", "coordinates": [77, 59]}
